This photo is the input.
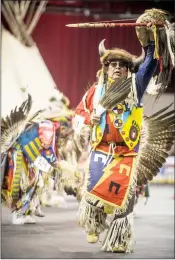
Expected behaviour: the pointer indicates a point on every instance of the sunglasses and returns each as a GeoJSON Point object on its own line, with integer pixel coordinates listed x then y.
{"type": "Point", "coordinates": [120, 64]}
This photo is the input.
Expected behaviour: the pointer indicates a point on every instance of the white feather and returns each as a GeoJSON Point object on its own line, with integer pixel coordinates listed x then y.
{"type": "Point", "coordinates": [153, 88]}
{"type": "Point", "coordinates": [170, 32]}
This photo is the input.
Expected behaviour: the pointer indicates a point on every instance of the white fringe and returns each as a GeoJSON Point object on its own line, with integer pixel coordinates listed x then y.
{"type": "Point", "coordinates": [120, 233]}
{"type": "Point", "coordinates": [91, 218]}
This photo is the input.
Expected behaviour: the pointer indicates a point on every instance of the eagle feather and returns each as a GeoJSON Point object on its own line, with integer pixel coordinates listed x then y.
{"type": "Point", "coordinates": [13, 125]}
{"type": "Point", "coordinates": [157, 137]}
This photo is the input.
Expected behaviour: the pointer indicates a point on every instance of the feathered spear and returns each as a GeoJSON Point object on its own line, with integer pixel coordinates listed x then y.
{"type": "Point", "coordinates": [109, 24]}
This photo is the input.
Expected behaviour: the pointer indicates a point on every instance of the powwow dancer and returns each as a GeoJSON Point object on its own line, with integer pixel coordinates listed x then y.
{"type": "Point", "coordinates": [31, 150]}
{"type": "Point", "coordinates": [114, 111]}
{"type": "Point", "coordinates": [142, 191]}
{"type": "Point", "coordinates": [31, 158]}
{"type": "Point", "coordinates": [69, 148]}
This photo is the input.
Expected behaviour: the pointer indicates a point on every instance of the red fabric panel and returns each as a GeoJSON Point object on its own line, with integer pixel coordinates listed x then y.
{"type": "Point", "coordinates": [71, 54]}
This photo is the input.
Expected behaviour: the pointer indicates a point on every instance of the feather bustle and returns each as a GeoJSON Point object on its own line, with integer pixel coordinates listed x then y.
{"type": "Point", "coordinates": [14, 124]}
{"type": "Point", "coordinates": [157, 138]}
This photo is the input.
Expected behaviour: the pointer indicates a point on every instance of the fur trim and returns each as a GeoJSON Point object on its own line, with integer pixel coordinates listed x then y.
{"type": "Point", "coordinates": [118, 54]}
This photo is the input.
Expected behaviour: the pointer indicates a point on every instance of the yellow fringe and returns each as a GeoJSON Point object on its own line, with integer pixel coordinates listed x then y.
{"type": "Point", "coordinates": [156, 51]}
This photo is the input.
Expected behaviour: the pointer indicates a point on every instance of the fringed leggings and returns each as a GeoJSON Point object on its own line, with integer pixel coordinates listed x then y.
{"type": "Point", "coordinates": [121, 233]}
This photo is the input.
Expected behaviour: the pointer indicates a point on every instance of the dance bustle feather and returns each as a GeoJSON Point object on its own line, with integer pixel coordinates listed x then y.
{"type": "Point", "coordinates": [14, 124]}
{"type": "Point", "coordinates": [157, 138]}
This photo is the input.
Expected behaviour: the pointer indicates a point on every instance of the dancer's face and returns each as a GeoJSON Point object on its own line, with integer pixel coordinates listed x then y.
{"type": "Point", "coordinates": [117, 69]}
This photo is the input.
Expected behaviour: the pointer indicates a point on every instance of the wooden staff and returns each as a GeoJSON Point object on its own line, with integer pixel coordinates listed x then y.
{"type": "Point", "coordinates": [36, 16]}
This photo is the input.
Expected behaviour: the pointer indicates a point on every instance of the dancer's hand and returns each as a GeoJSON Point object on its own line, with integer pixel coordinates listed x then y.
{"type": "Point", "coordinates": [145, 34]}
{"type": "Point", "coordinates": [149, 27]}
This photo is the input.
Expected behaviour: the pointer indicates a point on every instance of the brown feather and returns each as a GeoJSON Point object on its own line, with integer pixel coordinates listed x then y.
{"type": "Point", "coordinates": [157, 138]}
{"type": "Point", "coordinates": [118, 94]}
{"type": "Point", "coordinates": [14, 124]}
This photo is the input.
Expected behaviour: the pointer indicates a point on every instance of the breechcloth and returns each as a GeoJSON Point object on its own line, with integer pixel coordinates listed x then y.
{"type": "Point", "coordinates": [111, 179]}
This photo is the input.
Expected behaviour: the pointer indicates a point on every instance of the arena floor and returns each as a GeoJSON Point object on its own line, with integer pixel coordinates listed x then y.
{"type": "Point", "coordinates": [58, 236]}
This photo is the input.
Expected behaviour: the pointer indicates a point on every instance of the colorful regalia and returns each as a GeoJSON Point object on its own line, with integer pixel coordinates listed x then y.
{"type": "Point", "coordinates": [32, 164]}
{"type": "Point", "coordinates": [123, 152]}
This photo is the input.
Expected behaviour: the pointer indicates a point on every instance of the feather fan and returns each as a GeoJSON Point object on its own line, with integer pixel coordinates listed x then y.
{"type": "Point", "coordinates": [117, 93]}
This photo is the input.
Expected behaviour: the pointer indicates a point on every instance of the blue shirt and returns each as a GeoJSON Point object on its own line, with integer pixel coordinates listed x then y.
{"type": "Point", "coordinates": [146, 71]}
